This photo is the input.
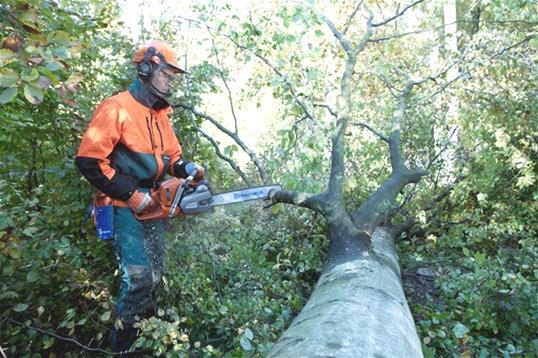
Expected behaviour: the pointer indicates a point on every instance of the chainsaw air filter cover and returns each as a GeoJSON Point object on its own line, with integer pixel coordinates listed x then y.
{"type": "Point", "coordinates": [198, 201]}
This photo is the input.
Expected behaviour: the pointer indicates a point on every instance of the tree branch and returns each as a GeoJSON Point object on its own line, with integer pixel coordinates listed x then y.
{"type": "Point", "coordinates": [316, 202]}
{"type": "Point", "coordinates": [398, 14]}
{"type": "Point", "coordinates": [443, 149]}
{"type": "Point", "coordinates": [66, 339]}
{"type": "Point", "coordinates": [527, 38]}
{"type": "Point", "coordinates": [408, 223]}
{"type": "Point", "coordinates": [215, 145]}
{"type": "Point", "coordinates": [328, 108]}
{"type": "Point", "coordinates": [234, 136]}
{"type": "Point", "coordinates": [436, 28]}
{"type": "Point", "coordinates": [371, 129]}
{"type": "Point", "coordinates": [221, 72]}
{"type": "Point", "coordinates": [337, 176]}
{"type": "Point", "coordinates": [348, 22]}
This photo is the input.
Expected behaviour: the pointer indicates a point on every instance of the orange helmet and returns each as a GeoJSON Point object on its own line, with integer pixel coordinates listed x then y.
{"type": "Point", "coordinates": [162, 49]}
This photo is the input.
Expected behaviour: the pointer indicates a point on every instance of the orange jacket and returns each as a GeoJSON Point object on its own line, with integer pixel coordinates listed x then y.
{"type": "Point", "coordinates": [128, 145]}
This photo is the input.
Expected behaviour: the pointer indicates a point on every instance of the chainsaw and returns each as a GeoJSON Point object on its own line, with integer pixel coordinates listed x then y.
{"type": "Point", "coordinates": [177, 196]}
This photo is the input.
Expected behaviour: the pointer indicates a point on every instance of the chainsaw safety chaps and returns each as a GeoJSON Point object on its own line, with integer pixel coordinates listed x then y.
{"type": "Point", "coordinates": [139, 250]}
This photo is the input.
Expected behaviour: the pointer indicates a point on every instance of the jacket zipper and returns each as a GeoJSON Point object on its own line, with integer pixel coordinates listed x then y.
{"type": "Point", "coordinates": [160, 164]}
{"type": "Point", "coordinates": [160, 135]}
{"type": "Point", "coordinates": [150, 135]}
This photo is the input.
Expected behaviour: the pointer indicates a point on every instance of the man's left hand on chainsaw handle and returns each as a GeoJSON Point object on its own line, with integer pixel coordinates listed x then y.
{"type": "Point", "coordinates": [196, 171]}
{"type": "Point", "coordinates": [184, 169]}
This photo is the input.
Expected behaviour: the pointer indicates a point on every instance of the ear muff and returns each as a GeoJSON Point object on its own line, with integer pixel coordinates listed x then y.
{"type": "Point", "coordinates": [145, 67]}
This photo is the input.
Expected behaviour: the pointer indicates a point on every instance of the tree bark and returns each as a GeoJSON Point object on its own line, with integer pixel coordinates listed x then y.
{"type": "Point", "coordinates": [358, 309]}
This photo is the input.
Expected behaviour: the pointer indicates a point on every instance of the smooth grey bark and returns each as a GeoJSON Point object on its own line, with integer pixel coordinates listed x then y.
{"type": "Point", "coordinates": [358, 309]}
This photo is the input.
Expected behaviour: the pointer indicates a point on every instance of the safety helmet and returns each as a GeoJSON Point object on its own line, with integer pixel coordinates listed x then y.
{"type": "Point", "coordinates": [158, 51]}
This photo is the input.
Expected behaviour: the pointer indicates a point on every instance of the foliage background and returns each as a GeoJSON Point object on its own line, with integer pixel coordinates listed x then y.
{"type": "Point", "coordinates": [237, 277]}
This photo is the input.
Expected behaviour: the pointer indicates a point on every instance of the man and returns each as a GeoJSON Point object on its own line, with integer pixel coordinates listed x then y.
{"type": "Point", "coordinates": [128, 148]}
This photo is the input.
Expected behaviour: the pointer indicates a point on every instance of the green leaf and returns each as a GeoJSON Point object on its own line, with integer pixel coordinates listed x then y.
{"type": "Point", "coordinates": [249, 334]}
{"type": "Point", "coordinates": [33, 93]}
{"type": "Point", "coordinates": [30, 19]}
{"type": "Point", "coordinates": [47, 72]}
{"type": "Point", "coordinates": [44, 82]}
{"type": "Point", "coordinates": [105, 316]}
{"type": "Point", "coordinates": [20, 307]}
{"type": "Point", "coordinates": [8, 95]}
{"type": "Point", "coordinates": [460, 330]}
{"type": "Point", "coordinates": [32, 276]}
{"type": "Point", "coordinates": [72, 82]}
{"type": "Point", "coordinates": [62, 52]}
{"type": "Point", "coordinates": [245, 343]}
{"type": "Point", "coordinates": [7, 271]}
{"type": "Point", "coordinates": [29, 75]}
{"type": "Point", "coordinates": [6, 54]}
{"type": "Point", "coordinates": [60, 37]}
{"type": "Point", "coordinates": [8, 77]}
{"type": "Point", "coordinates": [14, 252]}
{"type": "Point", "coordinates": [48, 342]}
{"type": "Point", "coordinates": [53, 65]}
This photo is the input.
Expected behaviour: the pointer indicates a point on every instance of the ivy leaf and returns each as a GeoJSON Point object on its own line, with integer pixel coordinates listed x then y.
{"type": "Point", "coordinates": [20, 307]}
{"type": "Point", "coordinates": [48, 342]}
{"type": "Point", "coordinates": [29, 75]}
{"type": "Point", "coordinates": [33, 93]}
{"type": "Point", "coordinates": [8, 77]}
{"type": "Point", "coordinates": [8, 95]}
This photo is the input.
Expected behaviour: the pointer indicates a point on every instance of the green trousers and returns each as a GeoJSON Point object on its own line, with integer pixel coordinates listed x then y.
{"type": "Point", "coordinates": [139, 249]}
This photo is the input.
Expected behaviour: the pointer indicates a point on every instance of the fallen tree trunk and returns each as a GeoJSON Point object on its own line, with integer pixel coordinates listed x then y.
{"type": "Point", "coordinates": [358, 309]}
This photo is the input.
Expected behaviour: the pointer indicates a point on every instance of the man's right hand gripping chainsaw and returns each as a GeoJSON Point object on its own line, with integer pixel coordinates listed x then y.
{"type": "Point", "coordinates": [177, 196]}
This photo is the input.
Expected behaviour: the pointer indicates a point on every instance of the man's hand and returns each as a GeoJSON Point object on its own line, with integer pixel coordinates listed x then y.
{"type": "Point", "coordinates": [140, 201]}
{"type": "Point", "coordinates": [195, 170]}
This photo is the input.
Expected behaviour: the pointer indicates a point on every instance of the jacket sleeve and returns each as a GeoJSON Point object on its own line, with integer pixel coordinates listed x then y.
{"type": "Point", "coordinates": [97, 143]}
{"type": "Point", "coordinates": [177, 163]}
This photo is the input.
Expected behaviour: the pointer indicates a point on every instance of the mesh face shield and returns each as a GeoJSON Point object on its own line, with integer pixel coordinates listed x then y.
{"type": "Point", "coordinates": [164, 81]}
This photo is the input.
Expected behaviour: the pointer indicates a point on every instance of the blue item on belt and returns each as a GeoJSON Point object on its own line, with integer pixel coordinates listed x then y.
{"type": "Point", "coordinates": [104, 217]}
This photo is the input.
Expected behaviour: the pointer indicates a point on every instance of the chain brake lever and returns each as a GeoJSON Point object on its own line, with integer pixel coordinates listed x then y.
{"type": "Point", "coordinates": [179, 193]}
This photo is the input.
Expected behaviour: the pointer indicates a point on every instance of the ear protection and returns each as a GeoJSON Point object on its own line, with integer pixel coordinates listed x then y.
{"type": "Point", "coordinates": [145, 67]}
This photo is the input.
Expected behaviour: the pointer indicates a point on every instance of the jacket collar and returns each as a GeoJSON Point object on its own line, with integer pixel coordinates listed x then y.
{"type": "Point", "coordinates": [142, 95]}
